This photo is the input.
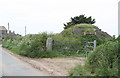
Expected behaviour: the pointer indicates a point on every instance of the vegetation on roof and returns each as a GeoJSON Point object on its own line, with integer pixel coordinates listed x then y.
{"type": "Point", "coordinates": [79, 20]}
{"type": "Point", "coordinates": [86, 27]}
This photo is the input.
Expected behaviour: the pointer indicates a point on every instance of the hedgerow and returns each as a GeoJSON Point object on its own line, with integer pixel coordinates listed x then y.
{"type": "Point", "coordinates": [65, 43]}
{"type": "Point", "coordinates": [102, 62]}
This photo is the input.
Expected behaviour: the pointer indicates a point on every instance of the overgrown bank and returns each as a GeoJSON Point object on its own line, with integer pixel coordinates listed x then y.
{"type": "Point", "coordinates": [30, 46]}
{"type": "Point", "coordinates": [102, 62]}
{"type": "Point", "coordinates": [65, 43]}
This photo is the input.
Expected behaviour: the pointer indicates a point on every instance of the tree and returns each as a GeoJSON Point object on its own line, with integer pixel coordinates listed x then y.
{"type": "Point", "coordinates": [78, 20]}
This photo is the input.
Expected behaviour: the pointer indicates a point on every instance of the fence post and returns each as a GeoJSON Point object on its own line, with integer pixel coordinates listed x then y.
{"type": "Point", "coordinates": [49, 44]}
{"type": "Point", "coordinates": [85, 47]}
{"type": "Point", "coordinates": [94, 44]}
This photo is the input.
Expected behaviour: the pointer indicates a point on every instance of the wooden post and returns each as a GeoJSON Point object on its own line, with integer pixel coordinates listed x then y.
{"type": "Point", "coordinates": [49, 44]}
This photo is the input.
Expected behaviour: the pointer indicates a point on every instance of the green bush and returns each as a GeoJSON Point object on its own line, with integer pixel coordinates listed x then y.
{"type": "Point", "coordinates": [79, 71]}
{"type": "Point", "coordinates": [66, 43]}
{"type": "Point", "coordinates": [80, 36]}
{"type": "Point", "coordinates": [102, 62]}
{"type": "Point", "coordinates": [33, 46]}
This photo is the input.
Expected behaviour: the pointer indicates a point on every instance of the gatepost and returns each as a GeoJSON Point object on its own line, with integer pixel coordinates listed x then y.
{"type": "Point", "coordinates": [94, 44]}
{"type": "Point", "coordinates": [49, 44]}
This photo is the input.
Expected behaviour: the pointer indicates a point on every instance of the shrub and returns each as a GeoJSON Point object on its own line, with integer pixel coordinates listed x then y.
{"type": "Point", "coordinates": [102, 62]}
{"type": "Point", "coordinates": [78, 70]}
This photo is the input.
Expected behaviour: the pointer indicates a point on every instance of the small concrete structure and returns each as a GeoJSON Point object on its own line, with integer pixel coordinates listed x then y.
{"type": "Point", "coordinates": [94, 31]}
{"type": "Point", "coordinates": [49, 44]}
{"type": "Point", "coordinates": [3, 32]}
{"type": "Point", "coordinates": [78, 30]}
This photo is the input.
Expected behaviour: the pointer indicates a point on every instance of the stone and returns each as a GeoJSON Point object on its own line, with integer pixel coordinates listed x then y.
{"type": "Point", "coordinates": [49, 44]}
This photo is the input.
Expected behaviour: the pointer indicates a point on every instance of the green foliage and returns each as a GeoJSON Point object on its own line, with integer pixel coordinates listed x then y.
{"type": "Point", "coordinates": [29, 46]}
{"type": "Point", "coordinates": [107, 62]}
{"type": "Point", "coordinates": [80, 37]}
{"type": "Point", "coordinates": [91, 38]}
{"type": "Point", "coordinates": [118, 38]}
{"type": "Point", "coordinates": [86, 28]}
{"type": "Point", "coordinates": [79, 71]}
{"type": "Point", "coordinates": [79, 20]}
{"type": "Point", "coordinates": [102, 62]}
{"type": "Point", "coordinates": [33, 46]}
{"type": "Point", "coordinates": [66, 43]}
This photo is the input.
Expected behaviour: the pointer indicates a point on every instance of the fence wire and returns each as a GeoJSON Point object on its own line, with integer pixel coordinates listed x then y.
{"type": "Point", "coordinates": [68, 47]}
{"type": "Point", "coordinates": [72, 47]}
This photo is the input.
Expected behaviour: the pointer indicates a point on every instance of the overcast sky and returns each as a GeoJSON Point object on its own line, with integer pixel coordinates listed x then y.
{"type": "Point", "coordinates": [49, 15]}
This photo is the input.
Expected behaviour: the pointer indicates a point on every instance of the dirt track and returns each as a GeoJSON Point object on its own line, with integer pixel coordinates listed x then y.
{"type": "Point", "coordinates": [52, 66]}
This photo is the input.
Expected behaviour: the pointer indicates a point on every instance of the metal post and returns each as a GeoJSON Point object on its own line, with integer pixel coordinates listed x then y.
{"type": "Point", "coordinates": [94, 44]}
{"type": "Point", "coordinates": [86, 44]}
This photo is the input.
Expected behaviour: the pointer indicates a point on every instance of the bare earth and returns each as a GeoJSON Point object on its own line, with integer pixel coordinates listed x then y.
{"type": "Point", "coordinates": [52, 66]}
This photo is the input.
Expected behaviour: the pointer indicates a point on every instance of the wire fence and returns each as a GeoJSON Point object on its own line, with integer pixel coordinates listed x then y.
{"type": "Point", "coordinates": [70, 46]}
